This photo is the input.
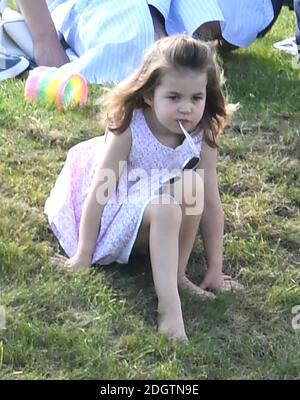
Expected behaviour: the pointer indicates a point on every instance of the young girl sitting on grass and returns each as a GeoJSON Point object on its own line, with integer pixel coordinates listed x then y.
{"type": "Point", "coordinates": [117, 195]}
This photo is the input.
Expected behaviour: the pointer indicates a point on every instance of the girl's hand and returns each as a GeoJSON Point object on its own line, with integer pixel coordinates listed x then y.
{"type": "Point", "coordinates": [78, 262]}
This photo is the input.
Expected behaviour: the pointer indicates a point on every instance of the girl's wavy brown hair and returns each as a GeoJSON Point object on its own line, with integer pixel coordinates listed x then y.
{"type": "Point", "coordinates": [179, 53]}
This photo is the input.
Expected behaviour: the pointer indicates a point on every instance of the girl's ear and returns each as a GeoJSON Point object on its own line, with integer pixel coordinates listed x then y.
{"type": "Point", "coordinates": [148, 99]}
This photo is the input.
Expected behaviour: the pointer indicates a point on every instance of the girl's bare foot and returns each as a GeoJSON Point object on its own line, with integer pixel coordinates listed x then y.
{"type": "Point", "coordinates": [220, 283]}
{"type": "Point", "coordinates": [185, 284]}
{"type": "Point", "coordinates": [172, 326]}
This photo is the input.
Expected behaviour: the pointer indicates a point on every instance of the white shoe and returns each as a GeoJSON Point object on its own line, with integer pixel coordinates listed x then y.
{"type": "Point", "coordinates": [12, 66]}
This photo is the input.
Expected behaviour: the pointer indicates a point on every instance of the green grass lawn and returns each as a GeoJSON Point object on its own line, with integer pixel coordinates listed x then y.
{"type": "Point", "coordinates": [101, 324]}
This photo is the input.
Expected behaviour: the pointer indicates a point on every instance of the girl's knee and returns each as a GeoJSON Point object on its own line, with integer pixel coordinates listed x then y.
{"type": "Point", "coordinates": [189, 192]}
{"type": "Point", "coordinates": [164, 209]}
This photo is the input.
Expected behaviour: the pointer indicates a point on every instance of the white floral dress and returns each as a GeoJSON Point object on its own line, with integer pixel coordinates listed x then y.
{"type": "Point", "coordinates": [137, 186]}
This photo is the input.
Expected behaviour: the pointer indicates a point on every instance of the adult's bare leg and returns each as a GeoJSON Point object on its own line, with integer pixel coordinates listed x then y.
{"type": "Point", "coordinates": [48, 50]}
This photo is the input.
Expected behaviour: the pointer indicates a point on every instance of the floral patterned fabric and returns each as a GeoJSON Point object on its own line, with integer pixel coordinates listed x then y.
{"type": "Point", "coordinates": [138, 185]}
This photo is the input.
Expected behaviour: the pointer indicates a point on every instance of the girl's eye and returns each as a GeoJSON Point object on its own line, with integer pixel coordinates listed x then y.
{"type": "Point", "coordinates": [173, 97]}
{"type": "Point", "coordinates": [197, 98]}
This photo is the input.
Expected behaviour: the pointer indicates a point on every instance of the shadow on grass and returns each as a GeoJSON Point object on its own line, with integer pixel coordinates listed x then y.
{"type": "Point", "coordinates": [133, 282]}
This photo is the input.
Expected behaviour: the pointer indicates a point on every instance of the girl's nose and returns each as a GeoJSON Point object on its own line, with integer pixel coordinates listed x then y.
{"type": "Point", "coordinates": [185, 108]}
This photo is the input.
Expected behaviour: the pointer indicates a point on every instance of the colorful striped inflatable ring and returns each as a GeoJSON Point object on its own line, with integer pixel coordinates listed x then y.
{"type": "Point", "coordinates": [53, 86]}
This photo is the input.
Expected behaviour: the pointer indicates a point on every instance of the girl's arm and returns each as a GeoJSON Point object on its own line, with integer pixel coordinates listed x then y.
{"type": "Point", "coordinates": [47, 47]}
{"type": "Point", "coordinates": [106, 176]}
{"type": "Point", "coordinates": [212, 221]}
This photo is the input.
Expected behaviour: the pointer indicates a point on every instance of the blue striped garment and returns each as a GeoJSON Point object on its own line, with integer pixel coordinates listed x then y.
{"type": "Point", "coordinates": [108, 38]}
{"type": "Point", "coordinates": [244, 20]}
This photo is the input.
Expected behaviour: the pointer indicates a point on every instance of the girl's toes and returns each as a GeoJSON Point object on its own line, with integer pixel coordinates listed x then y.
{"type": "Point", "coordinates": [234, 285]}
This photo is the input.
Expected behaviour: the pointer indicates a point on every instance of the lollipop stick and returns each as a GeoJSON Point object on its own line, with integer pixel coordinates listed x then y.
{"type": "Point", "coordinates": [188, 137]}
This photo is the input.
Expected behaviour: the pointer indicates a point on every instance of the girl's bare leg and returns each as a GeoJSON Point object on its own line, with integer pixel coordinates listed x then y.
{"type": "Point", "coordinates": [160, 230]}
{"type": "Point", "coordinates": [188, 232]}
{"type": "Point", "coordinates": [216, 281]}
{"type": "Point", "coordinates": [188, 191]}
